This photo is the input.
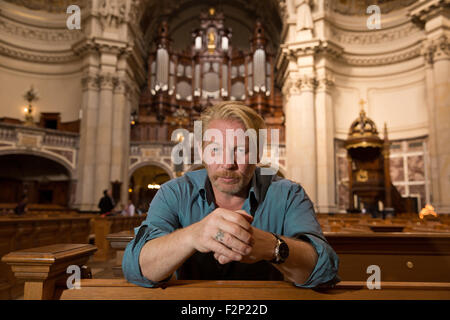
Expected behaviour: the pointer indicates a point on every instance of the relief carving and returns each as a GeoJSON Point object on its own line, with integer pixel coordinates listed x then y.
{"type": "Point", "coordinates": [112, 13]}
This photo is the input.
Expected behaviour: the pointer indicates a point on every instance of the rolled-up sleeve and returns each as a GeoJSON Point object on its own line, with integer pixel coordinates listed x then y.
{"type": "Point", "coordinates": [162, 219]}
{"type": "Point", "coordinates": [301, 223]}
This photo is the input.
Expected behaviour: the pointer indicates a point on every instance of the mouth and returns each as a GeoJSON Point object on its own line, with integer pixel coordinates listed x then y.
{"type": "Point", "coordinates": [228, 179]}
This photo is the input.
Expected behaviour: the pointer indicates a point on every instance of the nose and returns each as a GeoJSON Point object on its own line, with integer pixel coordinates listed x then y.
{"type": "Point", "coordinates": [229, 160]}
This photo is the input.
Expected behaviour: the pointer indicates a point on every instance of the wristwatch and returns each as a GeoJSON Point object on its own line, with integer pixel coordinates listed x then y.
{"type": "Point", "coordinates": [281, 251]}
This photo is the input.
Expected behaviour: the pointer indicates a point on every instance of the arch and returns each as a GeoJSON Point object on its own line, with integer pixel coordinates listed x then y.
{"type": "Point", "coordinates": [47, 155]}
{"type": "Point", "coordinates": [141, 164]}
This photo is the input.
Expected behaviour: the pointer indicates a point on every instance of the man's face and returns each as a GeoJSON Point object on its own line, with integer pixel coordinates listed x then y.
{"type": "Point", "coordinates": [230, 176]}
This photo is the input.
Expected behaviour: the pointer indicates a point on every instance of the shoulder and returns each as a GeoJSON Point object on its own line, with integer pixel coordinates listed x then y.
{"type": "Point", "coordinates": [286, 189]}
{"type": "Point", "coordinates": [285, 185]}
{"type": "Point", "coordinates": [188, 183]}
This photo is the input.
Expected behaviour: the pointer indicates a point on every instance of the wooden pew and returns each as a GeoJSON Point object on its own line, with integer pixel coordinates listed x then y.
{"type": "Point", "coordinates": [112, 224]}
{"type": "Point", "coordinates": [119, 242]}
{"type": "Point", "coordinates": [410, 257]}
{"type": "Point", "coordinates": [401, 256]}
{"type": "Point", "coordinates": [33, 231]}
{"type": "Point", "coordinates": [44, 272]}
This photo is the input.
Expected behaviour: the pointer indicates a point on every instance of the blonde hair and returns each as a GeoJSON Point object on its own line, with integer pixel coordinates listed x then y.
{"type": "Point", "coordinates": [233, 110]}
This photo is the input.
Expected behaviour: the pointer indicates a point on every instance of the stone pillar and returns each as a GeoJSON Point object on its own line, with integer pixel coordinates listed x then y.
{"type": "Point", "coordinates": [292, 102]}
{"type": "Point", "coordinates": [432, 143]}
{"type": "Point", "coordinates": [441, 79]}
{"type": "Point", "coordinates": [120, 136]}
{"type": "Point", "coordinates": [326, 182]}
{"type": "Point", "coordinates": [299, 90]}
{"type": "Point", "coordinates": [306, 164]}
{"type": "Point", "coordinates": [104, 135]}
{"type": "Point", "coordinates": [88, 131]}
{"type": "Point", "coordinates": [434, 16]}
{"type": "Point", "coordinates": [110, 34]}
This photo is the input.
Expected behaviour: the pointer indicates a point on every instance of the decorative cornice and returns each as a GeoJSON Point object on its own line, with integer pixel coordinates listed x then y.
{"type": "Point", "coordinates": [298, 49]}
{"type": "Point", "coordinates": [372, 37]}
{"type": "Point", "coordinates": [382, 59]}
{"type": "Point", "coordinates": [40, 34]}
{"type": "Point", "coordinates": [59, 6]}
{"type": "Point", "coordinates": [85, 46]}
{"type": "Point", "coordinates": [358, 8]}
{"type": "Point", "coordinates": [425, 10]}
{"type": "Point", "coordinates": [98, 45]}
{"type": "Point", "coordinates": [28, 55]}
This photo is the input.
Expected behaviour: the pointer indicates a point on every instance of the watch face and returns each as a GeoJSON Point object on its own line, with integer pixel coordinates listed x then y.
{"type": "Point", "coordinates": [284, 251]}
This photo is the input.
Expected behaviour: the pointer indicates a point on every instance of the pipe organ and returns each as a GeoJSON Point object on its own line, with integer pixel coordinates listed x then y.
{"type": "Point", "coordinates": [182, 84]}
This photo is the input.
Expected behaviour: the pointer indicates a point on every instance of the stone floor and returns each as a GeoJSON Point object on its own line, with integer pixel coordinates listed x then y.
{"type": "Point", "coordinates": [102, 269]}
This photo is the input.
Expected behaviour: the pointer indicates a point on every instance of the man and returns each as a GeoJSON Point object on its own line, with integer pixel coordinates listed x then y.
{"type": "Point", "coordinates": [106, 203]}
{"type": "Point", "coordinates": [229, 221]}
{"type": "Point", "coordinates": [21, 207]}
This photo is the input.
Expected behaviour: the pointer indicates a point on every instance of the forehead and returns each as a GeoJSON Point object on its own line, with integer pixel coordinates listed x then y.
{"type": "Point", "coordinates": [224, 127]}
{"type": "Point", "coordinates": [224, 124]}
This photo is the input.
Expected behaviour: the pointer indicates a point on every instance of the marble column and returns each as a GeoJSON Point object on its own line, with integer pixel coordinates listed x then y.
{"type": "Point", "coordinates": [326, 183]}
{"type": "Point", "coordinates": [88, 131]}
{"type": "Point", "coordinates": [441, 159]}
{"type": "Point", "coordinates": [300, 133]}
{"type": "Point", "coordinates": [120, 138]}
{"type": "Point", "coordinates": [104, 135]}
{"type": "Point", "coordinates": [433, 16]}
{"type": "Point", "coordinates": [292, 101]}
{"type": "Point", "coordinates": [306, 135]}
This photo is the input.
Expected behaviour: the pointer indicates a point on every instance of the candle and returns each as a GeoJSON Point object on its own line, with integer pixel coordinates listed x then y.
{"type": "Point", "coordinates": [355, 201]}
{"type": "Point", "coordinates": [380, 206]}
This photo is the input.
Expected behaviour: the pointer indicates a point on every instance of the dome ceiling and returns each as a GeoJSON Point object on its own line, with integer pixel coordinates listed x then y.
{"type": "Point", "coordinates": [52, 6]}
{"type": "Point", "coordinates": [240, 16]}
{"type": "Point", "coordinates": [359, 7]}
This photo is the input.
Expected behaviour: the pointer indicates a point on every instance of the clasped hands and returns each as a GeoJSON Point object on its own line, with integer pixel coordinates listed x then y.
{"type": "Point", "coordinates": [230, 235]}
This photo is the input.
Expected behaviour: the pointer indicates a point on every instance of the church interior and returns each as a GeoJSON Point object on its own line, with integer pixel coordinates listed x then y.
{"type": "Point", "coordinates": [93, 92]}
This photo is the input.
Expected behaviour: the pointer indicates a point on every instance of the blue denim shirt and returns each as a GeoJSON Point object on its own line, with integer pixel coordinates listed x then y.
{"type": "Point", "coordinates": [277, 205]}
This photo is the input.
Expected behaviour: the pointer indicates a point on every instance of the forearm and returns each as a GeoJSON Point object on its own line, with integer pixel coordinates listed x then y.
{"type": "Point", "coordinates": [301, 261]}
{"type": "Point", "coordinates": [161, 257]}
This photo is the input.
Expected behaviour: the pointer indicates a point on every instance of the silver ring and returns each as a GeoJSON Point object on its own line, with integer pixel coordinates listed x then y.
{"type": "Point", "coordinates": [219, 235]}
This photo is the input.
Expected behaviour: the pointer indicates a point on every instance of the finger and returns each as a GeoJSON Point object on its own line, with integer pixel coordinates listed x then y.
{"type": "Point", "coordinates": [235, 230]}
{"type": "Point", "coordinates": [237, 218]}
{"type": "Point", "coordinates": [232, 242]}
{"type": "Point", "coordinates": [246, 215]}
{"type": "Point", "coordinates": [223, 260]}
{"type": "Point", "coordinates": [221, 249]}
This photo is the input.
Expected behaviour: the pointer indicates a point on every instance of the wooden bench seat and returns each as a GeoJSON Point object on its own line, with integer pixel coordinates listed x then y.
{"type": "Point", "coordinates": [44, 272]}
{"type": "Point", "coordinates": [120, 289]}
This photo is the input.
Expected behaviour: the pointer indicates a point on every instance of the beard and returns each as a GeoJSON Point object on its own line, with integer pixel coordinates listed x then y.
{"type": "Point", "coordinates": [238, 183]}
